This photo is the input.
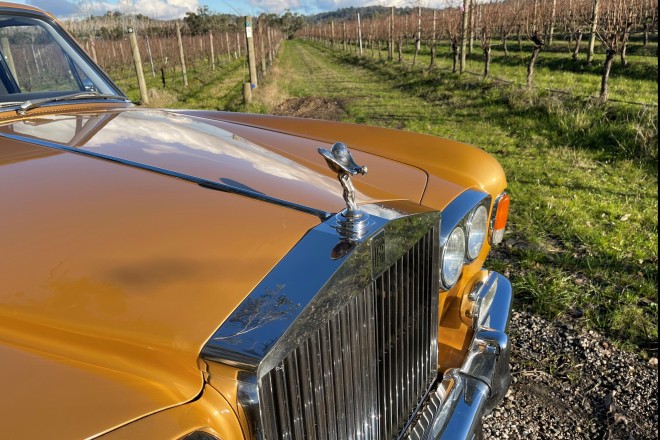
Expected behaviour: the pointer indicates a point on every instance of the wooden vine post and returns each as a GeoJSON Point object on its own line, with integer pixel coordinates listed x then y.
{"type": "Point", "coordinates": [182, 55]}
{"type": "Point", "coordinates": [390, 41]}
{"type": "Point", "coordinates": [252, 59]}
{"type": "Point", "coordinates": [262, 47]}
{"type": "Point", "coordinates": [212, 50]}
{"type": "Point", "coordinates": [137, 60]}
{"type": "Point", "coordinates": [360, 32]}
{"type": "Point", "coordinates": [464, 33]}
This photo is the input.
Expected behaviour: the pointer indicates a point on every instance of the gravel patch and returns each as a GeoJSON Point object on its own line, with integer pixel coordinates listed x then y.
{"type": "Point", "coordinates": [570, 383]}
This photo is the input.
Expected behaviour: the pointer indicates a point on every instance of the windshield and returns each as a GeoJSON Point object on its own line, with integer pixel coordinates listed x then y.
{"type": "Point", "coordinates": [36, 61]}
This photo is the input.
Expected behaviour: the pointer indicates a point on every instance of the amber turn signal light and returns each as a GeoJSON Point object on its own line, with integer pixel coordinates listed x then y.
{"type": "Point", "coordinates": [499, 218]}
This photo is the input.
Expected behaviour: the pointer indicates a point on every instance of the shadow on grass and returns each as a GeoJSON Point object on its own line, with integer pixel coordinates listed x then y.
{"type": "Point", "coordinates": [612, 132]}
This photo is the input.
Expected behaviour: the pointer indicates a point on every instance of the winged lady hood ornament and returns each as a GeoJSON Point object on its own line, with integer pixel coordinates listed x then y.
{"type": "Point", "coordinates": [352, 220]}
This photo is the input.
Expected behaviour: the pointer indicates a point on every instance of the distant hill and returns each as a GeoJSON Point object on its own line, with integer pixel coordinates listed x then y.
{"type": "Point", "coordinates": [350, 13]}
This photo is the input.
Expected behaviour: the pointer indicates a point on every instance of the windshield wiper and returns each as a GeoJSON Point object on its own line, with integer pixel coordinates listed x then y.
{"type": "Point", "coordinates": [29, 105]}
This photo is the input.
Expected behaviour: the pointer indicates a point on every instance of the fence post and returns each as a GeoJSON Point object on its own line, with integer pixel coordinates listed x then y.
{"type": "Point", "coordinates": [262, 45]}
{"type": "Point", "coordinates": [247, 93]}
{"type": "Point", "coordinates": [593, 27]}
{"type": "Point", "coordinates": [464, 33]}
{"type": "Point", "coordinates": [343, 35]}
{"type": "Point", "coordinates": [471, 27]}
{"type": "Point", "coordinates": [360, 33]}
{"type": "Point", "coordinates": [92, 44]}
{"type": "Point", "coordinates": [212, 50]}
{"type": "Point", "coordinates": [390, 48]}
{"type": "Point", "coordinates": [151, 58]}
{"type": "Point", "coordinates": [182, 55]}
{"type": "Point", "coordinates": [252, 61]}
{"type": "Point", "coordinates": [271, 50]}
{"type": "Point", "coordinates": [332, 34]}
{"type": "Point", "coordinates": [138, 66]}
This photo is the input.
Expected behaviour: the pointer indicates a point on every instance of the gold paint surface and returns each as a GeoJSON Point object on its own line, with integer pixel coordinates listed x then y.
{"type": "Point", "coordinates": [113, 278]}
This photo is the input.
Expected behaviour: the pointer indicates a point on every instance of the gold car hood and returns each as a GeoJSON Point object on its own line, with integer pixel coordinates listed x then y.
{"type": "Point", "coordinates": [279, 165]}
{"type": "Point", "coordinates": [113, 278]}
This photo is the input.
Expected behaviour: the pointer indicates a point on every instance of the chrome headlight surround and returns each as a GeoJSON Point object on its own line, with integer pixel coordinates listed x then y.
{"type": "Point", "coordinates": [460, 213]}
{"type": "Point", "coordinates": [452, 258]}
{"type": "Point", "coordinates": [477, 231]}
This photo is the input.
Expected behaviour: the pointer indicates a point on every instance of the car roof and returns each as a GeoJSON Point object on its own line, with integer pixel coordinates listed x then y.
{"type": "Point", "coordinates": [19, 6]}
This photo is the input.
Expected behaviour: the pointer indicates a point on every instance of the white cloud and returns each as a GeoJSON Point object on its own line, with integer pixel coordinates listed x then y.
{"type": "Point", "coordinates": [165, 9]}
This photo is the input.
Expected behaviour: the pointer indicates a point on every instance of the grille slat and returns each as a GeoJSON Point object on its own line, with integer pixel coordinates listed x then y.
{"type": "Point", "coordinates": [316, 362]}
{"type": "Point", "coordinates": [362, 374]}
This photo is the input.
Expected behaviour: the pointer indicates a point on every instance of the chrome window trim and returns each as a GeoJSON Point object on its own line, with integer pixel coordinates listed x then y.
{"type": "Point", "coordinates": [331, 280]}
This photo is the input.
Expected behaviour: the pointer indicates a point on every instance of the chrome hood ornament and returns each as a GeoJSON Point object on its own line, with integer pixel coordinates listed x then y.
{"type": "Point", "coordinates": [352, 222]}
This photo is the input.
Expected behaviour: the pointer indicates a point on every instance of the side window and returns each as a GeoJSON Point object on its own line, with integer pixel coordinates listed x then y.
{"type": "Point", "coordinates": [36, 62]}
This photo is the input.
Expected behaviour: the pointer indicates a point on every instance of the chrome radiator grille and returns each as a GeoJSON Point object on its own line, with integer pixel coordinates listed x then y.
{"type": "Point", "coordinates": [362, 374]}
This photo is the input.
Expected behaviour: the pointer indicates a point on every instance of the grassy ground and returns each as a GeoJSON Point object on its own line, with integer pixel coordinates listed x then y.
{"type": "Point", "coordinates": [220, 89]}
{"type": "Point", "coordinates": [555, 69]}
{"type": "Point", "coordinates": [583, 231]}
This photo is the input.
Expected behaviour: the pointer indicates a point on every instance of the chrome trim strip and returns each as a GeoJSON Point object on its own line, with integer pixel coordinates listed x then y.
{"type": "Point", "coordinates": [310, 285]}
{"type": "Point", "coordinates": [458, 209]}
{"type": "Point", "coordinates": [465, 395]}
{"type": "Point", "coordinates": [323, 215]}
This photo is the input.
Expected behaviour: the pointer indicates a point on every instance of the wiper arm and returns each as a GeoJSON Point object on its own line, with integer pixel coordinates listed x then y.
{"type": "Point", "coordinates": [29, 105]}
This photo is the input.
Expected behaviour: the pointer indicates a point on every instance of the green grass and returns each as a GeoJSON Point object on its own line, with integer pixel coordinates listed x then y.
{"type": "Point", "coordinates": [555, 68]}
{"type": "Point", "coordinates": [583, 235]}
{"type": "Point", "coordinates": [220, 89]}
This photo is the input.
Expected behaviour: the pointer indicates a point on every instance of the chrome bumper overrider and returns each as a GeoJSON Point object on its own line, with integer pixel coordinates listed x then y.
{"type": "Point", "coordinates": [455, 409]}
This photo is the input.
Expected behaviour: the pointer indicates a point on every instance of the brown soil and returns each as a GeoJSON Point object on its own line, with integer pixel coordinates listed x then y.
{"type": "Point", "coordinates": [312, 107]}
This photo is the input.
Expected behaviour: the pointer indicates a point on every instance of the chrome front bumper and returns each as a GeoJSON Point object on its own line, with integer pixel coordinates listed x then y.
{"type": "Point", "coordinates": [455, 409]}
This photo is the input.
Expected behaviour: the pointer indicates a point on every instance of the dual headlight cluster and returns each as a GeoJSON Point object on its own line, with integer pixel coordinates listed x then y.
{"type": "Point", "coordinates": [464, 244]}
{"type": "Point", "coordinates": [465, 227]}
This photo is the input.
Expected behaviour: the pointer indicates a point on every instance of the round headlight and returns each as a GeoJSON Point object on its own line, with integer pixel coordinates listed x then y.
{"type": "Point", "coordinates": [478, 228]}
{"type": "Point", "coordinates": [453, 257]}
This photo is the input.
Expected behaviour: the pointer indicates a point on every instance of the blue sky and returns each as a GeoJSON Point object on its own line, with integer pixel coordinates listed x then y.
{"type": "Point", "coordinates": [167, 9]}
